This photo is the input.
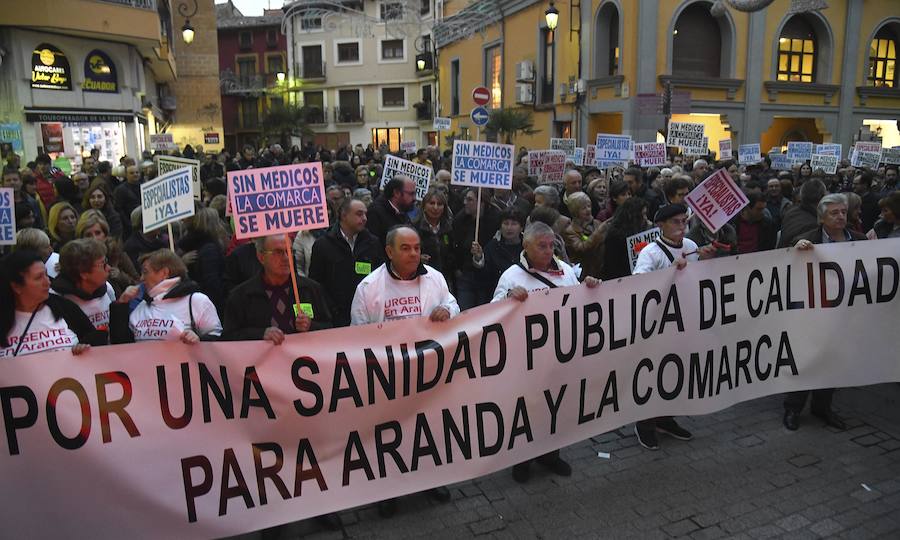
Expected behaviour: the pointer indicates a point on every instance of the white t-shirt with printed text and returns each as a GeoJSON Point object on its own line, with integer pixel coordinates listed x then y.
{"type": "Point", "coordinates": [402, 299]}
{"type": "Point", "coordinates": [96, 309]}
{"type": "Point", "coordinates": [44, 334]}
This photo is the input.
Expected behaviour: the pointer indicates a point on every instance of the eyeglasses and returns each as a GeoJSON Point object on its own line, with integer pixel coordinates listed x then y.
{"type": "Point", "coordinates": [276, 252]}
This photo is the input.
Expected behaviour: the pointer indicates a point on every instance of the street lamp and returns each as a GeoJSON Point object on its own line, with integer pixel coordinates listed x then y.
{"type": "Point", "coordinates": [280, 76]}
{"type": "Point", "coordinates": [420, 64]}
{"type": "Point", "coordinates": [552, 17]}
{"type": "Point", "coordinates": [187, 31]}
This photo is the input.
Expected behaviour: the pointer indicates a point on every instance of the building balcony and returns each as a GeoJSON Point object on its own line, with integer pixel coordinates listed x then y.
{"type": "Point", "coordinates": [424, 111]}
{"type": "Point", "coordinates": [317, 116]}
{"type": "Point", "coordinates": [348, 115]}
{"type": "Point", "coordinates": [312, 71]}
{"type": "Point", "coordinates": [232, 84]}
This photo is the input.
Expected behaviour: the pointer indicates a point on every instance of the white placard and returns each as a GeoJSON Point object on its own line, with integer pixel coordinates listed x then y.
{"type": "Point", "coordinates": [748, 154]}
{"type": "Point", "coordinates": [613, 150]}
{"type": "Point", "coordinates": [725, 150]}
{"type": "Point", "coordinates": [685, 134]}
{"type": "Point", "coordinates": [651, 154]}
{"type": "Point", "coordinates": [799, 152]}
{"type": "Point", "coordinates": [7, 217]}
{"type": "Point", "coordinates": [548, 166]}
{"type": "Point", "coordinates": [441, 123]}
{"type": "Point", "coordinates": [578, 158]}
{"type": "Point", "coordinates": [418, 172]}
{"type": "Point", "coordinates": [566, 145]}
{"type": "Point", "coordinates": [408, 147]}
{"type": "Point", "coordinates": [717, 199]}
{"type": "Point", "coordinates": [636, 242]}
{"type": "Point", "coordinates": [482, 164]}
{"type": "Point", "coordinates": [162, 141]}
{"type": "Point", "coordinates": [167, 198]}
{"type": "Point", "coordinates": [826, 162]}
{"type": "Point", "coordinates": [166, 164]}
{"type": "Point", "coordinates": [832, 149]}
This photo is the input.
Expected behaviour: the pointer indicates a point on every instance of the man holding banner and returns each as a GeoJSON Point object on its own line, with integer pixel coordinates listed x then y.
{"type": "Point", "coordinates": [403, 288]}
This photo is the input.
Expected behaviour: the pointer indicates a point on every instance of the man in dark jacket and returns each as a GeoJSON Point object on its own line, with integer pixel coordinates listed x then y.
{"type": "Point", "coordinates": [754, 229]}
{"type": "Point", "coordinates": [634, 177]}
{"type": "Point", "coordinates": [343, 257]}
{"type": "Point", "coordinates": [263, 306]}
{"type": "Point", "coordinates": [832, 215]}
{"type": "Point", "coordinates": [801, 218]}
{"type": "Point", "coordinates": [862, 186]}
{"type": "Point", "coordinates": [389, 210]}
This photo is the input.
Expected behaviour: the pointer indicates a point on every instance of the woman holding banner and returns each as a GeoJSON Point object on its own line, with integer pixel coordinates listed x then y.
{"type": "Point", "coordinates": [173, 308]}
{"type": "Point", "coordinates": [31, 319]}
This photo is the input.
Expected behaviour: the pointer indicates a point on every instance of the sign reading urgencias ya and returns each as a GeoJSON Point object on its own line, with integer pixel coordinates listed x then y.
{"type": "Point", "coordinates": [277, 200]}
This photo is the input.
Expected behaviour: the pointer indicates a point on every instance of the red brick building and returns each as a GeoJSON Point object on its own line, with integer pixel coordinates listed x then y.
{"type": "Point", "coordinates": [252, 54]}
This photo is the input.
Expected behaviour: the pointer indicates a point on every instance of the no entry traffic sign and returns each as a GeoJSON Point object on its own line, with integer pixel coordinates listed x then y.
{"type": "Point", "coordinates": [481, 95]}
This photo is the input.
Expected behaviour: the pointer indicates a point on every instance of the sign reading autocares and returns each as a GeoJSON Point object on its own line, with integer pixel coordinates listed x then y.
{"type": "Point", "coordinates": [50, 68]}
{"type": "Point", "coordinates": [100, 73]}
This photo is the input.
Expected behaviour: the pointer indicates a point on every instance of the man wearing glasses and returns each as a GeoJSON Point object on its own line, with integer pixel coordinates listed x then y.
{"type": "Point", "coordinates": [389, 210]}
{"type": "Point", "coordinates": [263, 307]}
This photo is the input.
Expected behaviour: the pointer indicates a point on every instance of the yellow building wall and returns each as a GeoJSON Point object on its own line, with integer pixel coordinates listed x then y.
{"type": "Point", "coordinates": [780, 126]}
{"type": "Point", "coordinates": [604, 123]}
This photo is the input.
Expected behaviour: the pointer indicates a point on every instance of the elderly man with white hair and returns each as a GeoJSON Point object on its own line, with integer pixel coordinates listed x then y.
{"type": "Point", "coordinates": [832, 214]}
{"type": "Point", "coordinates": [538, 270]}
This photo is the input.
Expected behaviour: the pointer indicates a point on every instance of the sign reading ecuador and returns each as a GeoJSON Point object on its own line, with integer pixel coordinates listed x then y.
{"type": "Point", "coordinates": [483, 164]}
{"type": "Point", "coordinates": [277, 199]}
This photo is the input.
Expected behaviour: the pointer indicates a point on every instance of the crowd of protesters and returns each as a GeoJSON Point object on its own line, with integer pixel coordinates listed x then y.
{"type": "Point", "coordinates": [83, 270]}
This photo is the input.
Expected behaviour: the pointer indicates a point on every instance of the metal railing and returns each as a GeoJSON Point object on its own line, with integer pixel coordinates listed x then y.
{"type": "Point", "coordinates": [348, 115]}
{"type": "Point", "coordinates": [312, 70]}
{"type": "Point", "coordinates": [424, 110]}
{"type": "Point", "coordinates": [317, 115]}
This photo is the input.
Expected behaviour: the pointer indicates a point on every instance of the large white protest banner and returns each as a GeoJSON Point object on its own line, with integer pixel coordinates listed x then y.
{"type": "Point", "coordinates": [482, 164]}
{"type": "Point", "coordinates": [685, 134]}
{"type": "Point", "coordinates": [636, 242]}
{"type": "Point", "coordinates": [166, 440]}
{"type": "Point", "coordinates": [418, 172]}
{"type": "Point", "coordinates": [566, 145]}
{"type": "Point", "coordinates": [277, 200]}
{"type": "Point", "coordinates": [547, 166]}
{"type": "Point", "coordinates": [650, 154]}
{"type": "Point", "coordinates": [826, 162]}
{"type": "Point", "coordinates": [748, 154]}
{"type": "Point", "coordinates": [7, 217]}
{"type": "Point", "coordinates": [166, 199]}
{"type": "Point", "coordinates": [166, 164]}
{"type": "Point", "coordinates": [717, 199]}
{"type": "Point", "coordinates": [613, 150]}
{"type": "Point", "coordinates": [798, 151]}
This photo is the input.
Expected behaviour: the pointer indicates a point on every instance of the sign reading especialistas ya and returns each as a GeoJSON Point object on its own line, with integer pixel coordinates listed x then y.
{"type": "Point", "coordinates": [277, 200]}
{"type": "Point", "coordinates": [167, 199]}
{"type": "Point", "coordinates": [219, 439]}
{"type": "Point", "coordinates": [716, 200]}
{"type": "Point", "coordinates": [165, 164]}
{"type": "Point", "coordinates": [482, 164]}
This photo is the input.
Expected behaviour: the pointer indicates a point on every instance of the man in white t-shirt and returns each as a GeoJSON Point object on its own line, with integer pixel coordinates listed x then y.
{"type": "Point", "coordinates": [538, 270]}
{"type": "Point", "coordinates": [671, 248]}
{"type": "Point", "coordinates": [403, 288]}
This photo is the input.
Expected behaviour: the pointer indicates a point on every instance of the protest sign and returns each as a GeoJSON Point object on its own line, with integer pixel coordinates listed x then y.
{"type": "Point", "coordinates": [865, 159]}
{"type": "Point", "coordinates": [547, 166]}
{"type": "Point", "coordinates": [220, 439]}
{"type": "Point", "coordinates": [166, 164]}
{"type": "Point", "coordinates": [566, 145]}
{"type": "Point", "coordinates": [725, 149]}
{"type": "Point", "coordinates": [166, 199]}
{"type": "Point", "coordinates": [636, 242]}
{"type": "Point", "coordinates": [441, 124]}
{"type": "Point", "coordinates": [482, 164]}
{"type": "Point", "coordinates": [700, 149]}
{"type": "Point", "coordinates": [717, 199]}
{"type": "Point", "coordinates": [650, 154]}
{"type": "Point", "coordinates": [799, 152]}
{"type": "Point", "coordinates": [780, 162]}
{"type": "Point", "coordinates": [590, 155]}
{"type": "Point", "coordinates": [613, 150]}
{"type": "Point", "coordinates": [162, 141]}
{"type": "Point", "coordinates": [418, 172]}
{"type": "Point", "coordinates": [7, 217]}
{"type": "Point", "coordinates": [826, 162]}
{"type": "Point", "coordinates": [277, 200]}
{"type": "Point", "coordinates": [868, 146]}
{"type": "Point", "coordinates": [748, 154]}
{"type": "Point", "coordinates": [891, 156]}
{"type": "Point", "coordinates": [831, 149]}
{"type": "Point", "coordinates": [578, 157]}
{"type": "Point", "coordinates": [685, 134]}
{"type": "Point", "coordinates": [408, 147]}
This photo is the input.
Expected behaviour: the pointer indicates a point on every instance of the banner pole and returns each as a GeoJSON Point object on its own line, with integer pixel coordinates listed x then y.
{"type": "Point", "coordinates": [478, 207]}
{"type": "Point", "coordinates": [290, 254]}
{"type": "Point", "coordinates": [171, 238]}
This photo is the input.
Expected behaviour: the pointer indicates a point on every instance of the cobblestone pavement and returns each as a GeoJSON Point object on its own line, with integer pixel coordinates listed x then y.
{"type": "Point", "coordinates": [743, 476]}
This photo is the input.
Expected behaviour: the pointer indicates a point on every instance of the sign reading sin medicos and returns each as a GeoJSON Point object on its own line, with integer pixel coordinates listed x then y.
{"type": "Point", "coordinates": [50, 68]}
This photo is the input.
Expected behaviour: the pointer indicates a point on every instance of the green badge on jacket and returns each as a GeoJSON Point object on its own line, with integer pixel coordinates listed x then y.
{"type": "Point", "coordinates": [363, 268]}
{"type": "Point", "coordinates": [306, 308]}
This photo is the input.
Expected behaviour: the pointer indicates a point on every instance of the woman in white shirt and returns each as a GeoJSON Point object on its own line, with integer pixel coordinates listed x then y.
{"type": "Point", "coordinates": [83, 271]}
{"type": "Point", "coordinates": [31, 319]}
{"type": "Point", "coordinates": [172, 308]}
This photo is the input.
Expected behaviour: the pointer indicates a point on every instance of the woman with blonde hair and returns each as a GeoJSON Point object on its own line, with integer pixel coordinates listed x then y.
{"type": "Point", "coordinates": [61, 224]}
{"type": "Point", "coordinates": [206, 235]}
{"type": "Point", "coordinates": [97, 197]}
{"type": "Point", "coordinates": [37, 240]}
{"type": "Point", "coordinates": [584, 236]}
{"type": "Point", "coordinates": [122, 274]}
